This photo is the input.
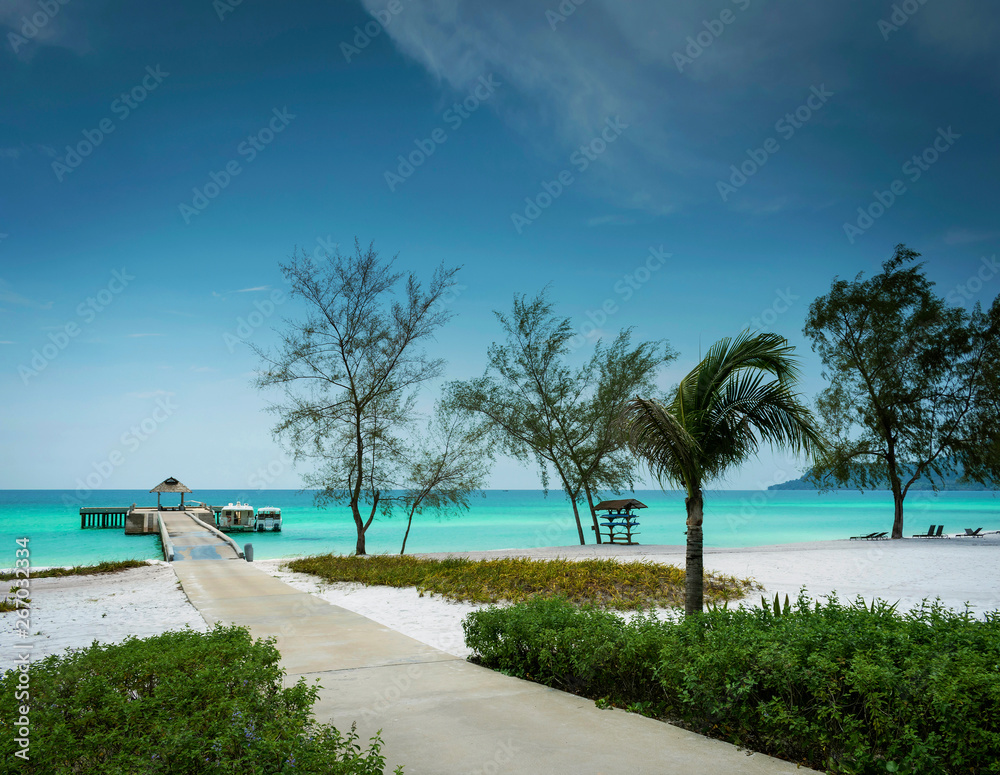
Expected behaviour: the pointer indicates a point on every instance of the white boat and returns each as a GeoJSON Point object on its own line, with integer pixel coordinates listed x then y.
{"type": "Point", "coordinates": [236, 518]}
{"type": "Point", "coordinates": [269, 519]}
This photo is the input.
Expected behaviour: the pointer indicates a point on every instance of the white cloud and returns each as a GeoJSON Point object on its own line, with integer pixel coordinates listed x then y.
{"type": "Point", "coordinates": [9, 296]}
{"type": "Point", "coordinates": [58, 30]}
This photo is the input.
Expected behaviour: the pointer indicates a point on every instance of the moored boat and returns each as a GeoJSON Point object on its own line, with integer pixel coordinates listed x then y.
{"type": "Point", "coordinates": [268, 519]}
{"type": "Point", "coordinates": [237, 518]}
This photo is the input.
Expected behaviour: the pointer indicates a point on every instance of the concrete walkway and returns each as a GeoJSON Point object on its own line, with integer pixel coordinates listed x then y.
{"type": "Point", "coordinates": [192, 540]}
{"type": "Point", "coordinates": [438, 713]}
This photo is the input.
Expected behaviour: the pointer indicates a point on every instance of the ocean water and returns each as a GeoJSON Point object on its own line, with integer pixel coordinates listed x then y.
{"type": "Point", "coordinates": [500, 519]}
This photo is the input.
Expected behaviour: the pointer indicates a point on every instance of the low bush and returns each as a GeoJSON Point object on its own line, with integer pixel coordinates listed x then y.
{"type": "Point", "coordinates": [182, 702]}
{"type": "Point", "coordinates": [844, 688]}
{"type": "Point", "coordinates": [108, 566]}
{"type": "Point", "coordinates": [620, 585]}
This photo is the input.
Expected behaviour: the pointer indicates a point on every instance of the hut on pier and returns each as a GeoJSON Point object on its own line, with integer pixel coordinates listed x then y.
{"type": "Point", "coordinates": [169, 485]}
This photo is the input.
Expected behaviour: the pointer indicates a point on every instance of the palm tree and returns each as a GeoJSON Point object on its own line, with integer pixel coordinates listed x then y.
{"type": "Point", "coordinates": [723, 410]}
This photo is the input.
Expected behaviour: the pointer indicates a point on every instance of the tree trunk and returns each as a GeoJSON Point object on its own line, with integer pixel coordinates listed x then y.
{"type": "Point", "coordinates": [593, 514]}
{"type": "Point", "coordinates": [897, 497]}
{"type": "Point", "coordinates": [407, 533]}
{"type": "Point", "coordinates": [897, 518]}
{"type": "Point", "coordinates": [579, 525]}
{"type": "Point", "coordinates": [694, 571]}
{"type": "Point", "coordinates": [360, 525]}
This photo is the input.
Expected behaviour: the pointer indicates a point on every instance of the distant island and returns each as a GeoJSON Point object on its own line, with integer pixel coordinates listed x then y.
{"type": "Point", "coordinates": [950, 483]}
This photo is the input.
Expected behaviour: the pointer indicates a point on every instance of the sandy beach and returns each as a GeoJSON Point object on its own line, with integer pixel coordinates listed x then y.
{"type": "Point", "coordinates": [72, 612]}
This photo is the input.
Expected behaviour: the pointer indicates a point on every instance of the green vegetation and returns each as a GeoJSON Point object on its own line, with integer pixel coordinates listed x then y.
{"type": "Point", "coordinates": [914, 383]}
{"type": "Point", "coordinates": [621, 585]}
{"type": "Point", "coordinates": [181, 702]}
{"type": "Point", "coordinates": [350, 371]}
{"type": "Point", "coordinates": [538, 408]}
{"type": "Point", "coordinates": [720, 414]}
{"type": "Point", "coordinates": [848, 689]}
{"type": "Point", "coordinates": [109, 566]}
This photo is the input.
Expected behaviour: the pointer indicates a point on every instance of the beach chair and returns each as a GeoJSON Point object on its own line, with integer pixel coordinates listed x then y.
{"type": "Point", "coordinates": [880, 536]}
{"type": "Point", "coordinates": [868, 537]}
{"type": "Point", "coordinates": [978, 532]}
{"type": "Point", "coordinates": [929, 533]}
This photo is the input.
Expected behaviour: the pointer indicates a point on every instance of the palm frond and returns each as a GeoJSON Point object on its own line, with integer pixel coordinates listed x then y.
{"type": "Point", "coordinates": [661, 440]}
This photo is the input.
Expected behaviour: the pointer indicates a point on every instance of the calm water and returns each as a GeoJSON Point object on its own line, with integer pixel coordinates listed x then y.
{"type": "Point", "coordinates": [501, 519]}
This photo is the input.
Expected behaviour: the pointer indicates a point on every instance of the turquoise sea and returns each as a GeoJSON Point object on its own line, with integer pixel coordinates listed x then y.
{"type": "Point", "coordinates": [501, 519]}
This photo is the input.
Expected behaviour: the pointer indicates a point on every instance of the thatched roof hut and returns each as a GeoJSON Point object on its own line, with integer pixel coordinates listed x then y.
{"type": "Point", "coordinates": [625, 505]}
{"type": "Point", "coordinates": [170, 485]}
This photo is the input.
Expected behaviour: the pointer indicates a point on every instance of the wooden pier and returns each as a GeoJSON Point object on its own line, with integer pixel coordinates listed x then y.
{"type": "Point", "coordinates": [102, 517]}
{"type": "Point", "coordinates": [186, 532]}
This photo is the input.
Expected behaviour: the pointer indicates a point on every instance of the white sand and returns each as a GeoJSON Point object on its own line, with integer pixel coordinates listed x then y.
{"type": "Point", "coordinates": [71, 612]}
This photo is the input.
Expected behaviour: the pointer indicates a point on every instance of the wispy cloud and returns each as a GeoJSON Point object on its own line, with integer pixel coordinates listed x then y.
{"type": "Point", "coordinates": [968, 236]}
{"type": "Point", "coordinates": [9, 296]}
{"type": "Point", "coordinates": [150, 394]}
{"type": "Point", "coordinates": [611, 220]}
{"type": "Point", "coordinates": [254, 289]}
{"type": "Point", "coordinates": [60, 29]}
{"type": "Point", "coordinates": [139, 336]}
{"type": "Point", "coordinates": [203, 369]}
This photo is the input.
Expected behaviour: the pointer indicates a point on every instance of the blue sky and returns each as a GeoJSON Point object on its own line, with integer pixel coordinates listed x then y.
{"type": "Point", "coordinates": [698, 169]}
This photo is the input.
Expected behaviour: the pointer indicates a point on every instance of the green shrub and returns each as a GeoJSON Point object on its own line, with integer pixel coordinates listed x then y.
{"type": "Point", "coordinates": [846, 688]}
{"type": "Point", "coordinates": [182, 702]}
{"type": "Point", "coordinates": [107, 566]}
{"type": "Point", "coordinates": [621, 585]}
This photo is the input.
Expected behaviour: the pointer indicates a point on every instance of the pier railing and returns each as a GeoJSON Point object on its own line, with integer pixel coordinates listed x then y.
{"type": "Point", "coordinates": [103, 517]}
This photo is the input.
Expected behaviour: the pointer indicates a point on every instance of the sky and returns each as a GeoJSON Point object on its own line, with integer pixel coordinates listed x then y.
{"type": "Point", "coordinates": [690, 170]}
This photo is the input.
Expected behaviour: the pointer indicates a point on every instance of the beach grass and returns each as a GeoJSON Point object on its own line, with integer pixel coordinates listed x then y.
{"type": "Point", "coordinates": [110, 566]}
{"type": "Point", "coordinates": [606, 583]}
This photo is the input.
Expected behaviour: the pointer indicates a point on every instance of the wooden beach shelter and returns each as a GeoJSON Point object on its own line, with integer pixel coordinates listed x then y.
{"type": "Point", "coordinates": [170, 485]}
{"type": "Point", "coordinates": [624, 505]}
{"type": "Point", "coordinates": [619, 520]}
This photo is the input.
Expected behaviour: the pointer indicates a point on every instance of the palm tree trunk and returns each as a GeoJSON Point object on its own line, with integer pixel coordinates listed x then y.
{"type": "Point", "coordinates": [694, 570]}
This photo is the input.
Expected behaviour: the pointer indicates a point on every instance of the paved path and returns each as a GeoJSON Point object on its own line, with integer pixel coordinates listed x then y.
{"type": "Point", "coordinates": [438, 713]}
{"type": "Point", "coordinates": [193, 541]}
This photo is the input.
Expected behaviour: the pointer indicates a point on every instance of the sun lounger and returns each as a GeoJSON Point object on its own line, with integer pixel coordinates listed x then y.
{"type": "Point", "coordinates": [930, 532]}
{"type": "Point", "coordinates": [868, 537]}
{"type": "Point", "coordinates": [978, 532]}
